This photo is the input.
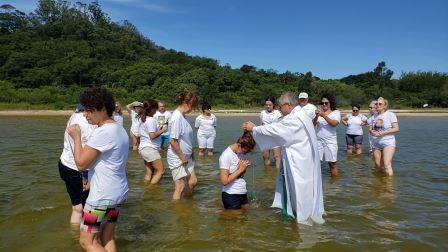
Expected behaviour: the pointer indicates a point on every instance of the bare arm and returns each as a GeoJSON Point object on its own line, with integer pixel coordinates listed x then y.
{"type": "Point", "coordinates": [84, 156]}
{"type": "Point", "coordinates": [395, 129]}
{"type": "Point", "coordinates": [331, 122]}
{"type": "Point", "coordinates": [344, 120]}
{"type": "Point", "coordinates": [156, 134]}
{"type": "Point", "coordinates": [130, 107]}
{"type": "Point", "coordinates": [175, 145]}
{"type": "Point", "coordinates": [227, 177]}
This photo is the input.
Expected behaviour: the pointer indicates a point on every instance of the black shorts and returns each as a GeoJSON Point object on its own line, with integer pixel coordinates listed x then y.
{"type": "Point", "coordinates": [73, 183]}
{"type": "Point", "coordinates": [353, 139]}
{"type": "Point", "coordinates": [233, 201]}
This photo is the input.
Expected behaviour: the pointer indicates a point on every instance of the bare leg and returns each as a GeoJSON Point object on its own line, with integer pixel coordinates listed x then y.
{"type": "Point", "coordinates": [201, 151]}
{"type": "Point", "coordinates": [333, 169]}
{"type": "Point", "coordinates": [179, 186]}
{"type": "Point", "coordinates": [277, 152]}
{"type": "Point", "coordinates": [359, 149]}
{"type": "Point", "coordinates": [90, 242]}
{"type": "Point", "coordinates": [149, 172]}
{"type": "Point", "coordinates": [377, 159]}
{"type": "Point", "coordinates": [388, 154]}
{"type": "Point", "coordinates": [134, 141]}
{"type": "Point", "coordinates": [192, 181]}
{"type": "Point", "coordinates": [349, 149]}
{"type": "Point", "coordinates": [210, 152]}
{"type": "Point", "coordinates": [76, 217]}
{"type": "Point", "coordinates": [108, 237]}
{"type": "Point", "coordinates": [158, 170]}
{"type": "Point", "coordinates": [266, 159]}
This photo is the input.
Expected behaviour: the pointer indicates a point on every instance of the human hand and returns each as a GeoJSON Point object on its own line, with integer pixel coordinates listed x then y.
{"type": "Point", "coordinates": [74, 131]}
{"type": "Point", "coordinates": [164, 128]}
{"type": "Point", "coordinates": [318, 112]}
{"type": "Point", "coordinates": [248, 126]}
{"type": "Point", "coordinates": [183, 159]}
{"type": "Point", "coordinates": [243, 164]}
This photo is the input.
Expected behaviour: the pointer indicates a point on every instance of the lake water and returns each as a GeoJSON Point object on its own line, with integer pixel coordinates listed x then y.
{"type": "Point", "coordinates": [364, 211]}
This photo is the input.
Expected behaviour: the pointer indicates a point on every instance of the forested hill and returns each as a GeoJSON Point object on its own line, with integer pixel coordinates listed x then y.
{"type": "Point", "coordinates": [49, 55]}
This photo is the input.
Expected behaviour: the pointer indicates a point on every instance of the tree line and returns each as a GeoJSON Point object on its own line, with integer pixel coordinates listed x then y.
{"type": "Point", "coordinates": [49, 55]}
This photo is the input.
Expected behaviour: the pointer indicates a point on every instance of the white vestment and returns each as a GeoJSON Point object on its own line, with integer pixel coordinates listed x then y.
{"type": "Point", "coordinates": [300, 171]}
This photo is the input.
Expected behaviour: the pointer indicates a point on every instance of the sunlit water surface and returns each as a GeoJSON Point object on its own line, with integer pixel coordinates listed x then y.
{"type": "Point", "coordinates": [364, 211]}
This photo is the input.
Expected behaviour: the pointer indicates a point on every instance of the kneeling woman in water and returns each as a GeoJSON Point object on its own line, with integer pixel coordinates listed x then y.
{"type": "Point", "coordinates": [233, 165]}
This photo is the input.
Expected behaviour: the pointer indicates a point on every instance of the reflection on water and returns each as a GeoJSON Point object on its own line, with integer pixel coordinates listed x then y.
{"type": "Point", "coordinates": [364, 210]}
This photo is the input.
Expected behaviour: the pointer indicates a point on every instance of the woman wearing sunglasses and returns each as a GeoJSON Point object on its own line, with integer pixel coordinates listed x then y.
{"type": "Point", "coordinates": [383, 133]}
{"type": "Point", "coordinates": [326, 121]}
{"type": "Point", "coordinates": [353, 132]}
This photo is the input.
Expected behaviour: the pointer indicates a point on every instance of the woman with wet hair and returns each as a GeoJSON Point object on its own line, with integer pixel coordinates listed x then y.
{"type": "Point", "coordinates": [180, 153]}
{"type": "Point", "coordinates": [105, 155]}
{"type": "Point", "coordinates": [233, 164]}
{"type": "Point", "coordinates": [326, 121]}
{"type": "Point", "coordinates": [383, 131]}
{"type": "Point", "coordinates": [206, 124]}
{"type": "Point", "coordinates": [267, 116]}
{"type": "Point", "coordinates": [150, 140]}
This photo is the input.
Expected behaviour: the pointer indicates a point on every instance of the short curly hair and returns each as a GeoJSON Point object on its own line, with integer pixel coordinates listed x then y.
{"type": "Point", "coordinates": [331, 98]}
{"type": "Point", "coordinates": [98, 98]}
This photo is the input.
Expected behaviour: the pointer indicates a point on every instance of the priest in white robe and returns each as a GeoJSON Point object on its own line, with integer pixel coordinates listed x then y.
{"type": "Point", "coordinates": [299, 182]}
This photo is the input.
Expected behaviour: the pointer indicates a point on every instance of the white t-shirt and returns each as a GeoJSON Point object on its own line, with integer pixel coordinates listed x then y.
{"type": "Point", "coordinates": [326, 133]}
{"type": "Point", "coordinates": [206, 125]}
{"type": "Point", "coordinates": [118, 118]}
{"type": "Point", "coordinates": [107, 175]}
{"type": "Point", "coordinates": [149, 126]}
{"type": "Point", "coordinates": [268, 118]}
{"type": "Point", "coordinates": [163, 118]}
{"type": "Point", "coordinates": [67, 158]}
{"type": "Point", "coordinates": [384, 122]}
{"type": "Point", "coordinates": [354, 124]}
{"type": "Point", "coordinates": [229, 161]}
{"type": "Point", "coordinates": [310, 110]}
{"type": "Point", "coordinates": [181, 130]}
{"type": "Point", "coordinates": [135, 123]}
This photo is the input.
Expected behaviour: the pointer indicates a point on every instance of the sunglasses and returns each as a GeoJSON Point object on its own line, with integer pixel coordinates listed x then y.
{"type": "Point", "coordinates": [324, 103]}
{"type": "Point", "coordinates": [379, 103]}
{"type": "Point", "coordinates": [355, 110]}
{"type": "Point", "coordinates": [370, 107]}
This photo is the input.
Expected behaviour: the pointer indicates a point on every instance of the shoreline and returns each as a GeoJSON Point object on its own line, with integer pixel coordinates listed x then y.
{"type": "Point", "coordinates": [413, 113]}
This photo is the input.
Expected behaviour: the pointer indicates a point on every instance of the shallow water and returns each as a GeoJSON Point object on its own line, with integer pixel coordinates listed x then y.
{"type": "Point", "coordinates": [364, 211]}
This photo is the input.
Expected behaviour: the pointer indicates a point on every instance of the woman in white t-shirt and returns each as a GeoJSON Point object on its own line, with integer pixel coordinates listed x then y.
{"type": "Point", "coordinates": [371, 120]}
{"type": "Point", "coordinates": [118, 114]}
{"type": "Point", "coordinates": [150, 140]}
{"type": "Point", "coordinates": [105, 154]}
{"type": "Point", "coordinates": [268, 116]}
{"type": "Point", "coordinates": [135, 109]}
{"type": "Point", "coordinates": [327, 120]}
{"type": "Point", "coordinates": [383, 130]}
{"type": "Point", "coordinates": [353, 131]}
{"type": "Point", "coordinates": [180, 153]}
{"type": "Point", "coordinates": [233, 165]}
{"type": "Point", "coordinates": [206, 124]}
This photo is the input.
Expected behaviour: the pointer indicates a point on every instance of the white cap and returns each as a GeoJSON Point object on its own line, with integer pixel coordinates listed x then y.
{"type": "Point", "coordinates": [303, 95]}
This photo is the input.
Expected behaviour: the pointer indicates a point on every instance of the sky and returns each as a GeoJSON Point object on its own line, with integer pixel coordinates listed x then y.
{"type": "Point", "coordinates": [330, 38]}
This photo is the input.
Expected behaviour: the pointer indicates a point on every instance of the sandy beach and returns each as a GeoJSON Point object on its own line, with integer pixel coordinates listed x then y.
{"type": "Point", "coordinates": [233, 112]}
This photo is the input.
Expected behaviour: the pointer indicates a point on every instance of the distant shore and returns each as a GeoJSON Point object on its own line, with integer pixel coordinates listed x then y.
{"type": "Point", "coordinates": [229, 112]}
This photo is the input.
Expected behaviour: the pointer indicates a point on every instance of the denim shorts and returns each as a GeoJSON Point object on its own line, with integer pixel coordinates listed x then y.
{"type": "Point", "coordinates": [353, 139]}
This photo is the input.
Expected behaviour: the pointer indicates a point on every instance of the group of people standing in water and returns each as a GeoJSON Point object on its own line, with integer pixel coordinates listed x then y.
{"type": "Point", "coordinates": [297, 136]}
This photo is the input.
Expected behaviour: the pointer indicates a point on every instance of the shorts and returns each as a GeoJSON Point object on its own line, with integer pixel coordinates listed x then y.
{"type": "Point", "coordinates": [328, 152]}
{"type": "Point", "coordinates": [94, 218]}
{"type": "Point", "coordinates": [73, 183]}
{"type": "Point", "coordinates": [181, 171]}
{"type": "Point", "coordinates": [206, 142]}
{"type": "Point", "coordinates": [166, 139]}
{"type": "Point", "coordinates": [353, 139]}
{"type": "Point", "coordinates": [233, 201]}
{"type": "Point", "coordinates": [379, 143]}
{"type": "Point", "coordinates": [149, 154]}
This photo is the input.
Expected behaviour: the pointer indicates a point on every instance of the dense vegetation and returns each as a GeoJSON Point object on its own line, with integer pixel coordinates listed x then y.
{"type": "Point", "coordinates": [49, 55]}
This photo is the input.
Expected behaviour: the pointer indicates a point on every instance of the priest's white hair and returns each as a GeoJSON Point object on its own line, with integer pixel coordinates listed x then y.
{"type": "Point", "coordinates": [288, 97]}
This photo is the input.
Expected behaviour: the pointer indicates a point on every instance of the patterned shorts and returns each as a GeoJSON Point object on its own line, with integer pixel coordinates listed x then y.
{"type": "Point", "coordinates": [94, 218]}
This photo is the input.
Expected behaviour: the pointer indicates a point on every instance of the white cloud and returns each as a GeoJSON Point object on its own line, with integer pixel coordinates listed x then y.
{"type": "Point", "coordinates": [146, 5]}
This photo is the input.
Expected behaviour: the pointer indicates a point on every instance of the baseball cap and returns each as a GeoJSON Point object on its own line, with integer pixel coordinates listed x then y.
{"type": "Point", "coordinates": [303, 95]}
